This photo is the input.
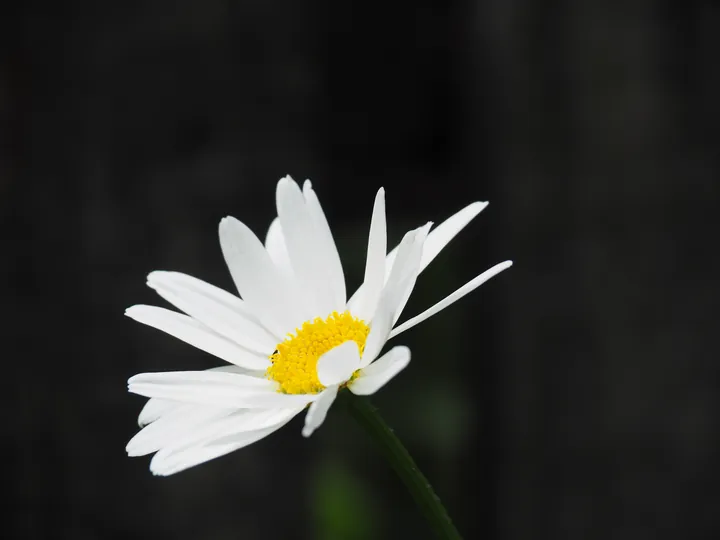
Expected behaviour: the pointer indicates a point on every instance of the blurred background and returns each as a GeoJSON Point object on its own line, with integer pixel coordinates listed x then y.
{"type": "Point", "coordinates": [576, 395]}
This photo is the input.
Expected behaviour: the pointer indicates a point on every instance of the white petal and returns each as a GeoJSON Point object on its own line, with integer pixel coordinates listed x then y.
{"type": "Point", "coordinates": [412, 272]}
{"type": "Point", "coordinates": [441, 235]}
{"type": "Point", "coordinates": [218, 313]}
{"type": "Point", "coordinates": [275, 246]}
{"type": "Point", "coordinates": [377, 374]}
{"type": "Point", "coordinates": [309, 255]}
{"type": "Point", "coordinates": [183, 419]}
{"type": "Point", "coordinates": [265, 290]}
{"type": "Point", "coordinates": [395, 292]}
{"type": "Point", "coordinates": [382, 323]}
{"type": "Point", "coordinates": [438, 238]}
{"type": "Point", "coordinates": [454, 297]}
{"type": "Point", "coordinates": [154, 409]}
{"type": "Point", "coordinates": [318, 410]}
{"type": "Point", "coordinates": [262, 418]}
{"type": "Point", "coordinates": [375, 264]}
{"type": "Point", "coordinates": [215, 389]}
{"type": "Point", "coordinates": [216, 441]}
{"type": "Point", "coordinates": [180, 281]}
{"type": "Point", "coordinates": [157, 408]}
{"type": "Point", "coordinates": [333, 264]}
{"type": "Point", "coordinates": [194, 424]}
{"type": "Point", "coordinates": [337, 365]}
{"type": "Point", "coordinates": [435, 242]}
{"type": "Point", "coordinates": [207, 376]}
{"type": "Point", "coordinates": [196, 334]}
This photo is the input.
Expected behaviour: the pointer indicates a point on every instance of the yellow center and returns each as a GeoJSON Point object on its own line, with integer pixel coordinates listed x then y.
{"type": "Point", "coordinates": [294, 363]}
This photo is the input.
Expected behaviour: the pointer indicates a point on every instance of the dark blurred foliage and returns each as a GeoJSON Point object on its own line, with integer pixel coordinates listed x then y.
{"type": "Point", "coordinates": [575, 396]}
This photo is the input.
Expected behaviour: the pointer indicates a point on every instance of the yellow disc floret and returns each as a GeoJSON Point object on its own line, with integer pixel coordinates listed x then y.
{"type": "Point", "coordinates": [294, 363]}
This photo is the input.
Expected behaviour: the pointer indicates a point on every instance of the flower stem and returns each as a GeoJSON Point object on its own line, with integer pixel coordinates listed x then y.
{"type": "Point", "coordinates": [363, 411]}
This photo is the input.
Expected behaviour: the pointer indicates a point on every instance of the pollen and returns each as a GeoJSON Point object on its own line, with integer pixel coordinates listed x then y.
{"type": "Point", "coordinates": [294, 362]}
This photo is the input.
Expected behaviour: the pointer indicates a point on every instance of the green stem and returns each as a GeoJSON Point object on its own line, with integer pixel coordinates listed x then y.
{"type": "Point", "coordinates": [369, 418]}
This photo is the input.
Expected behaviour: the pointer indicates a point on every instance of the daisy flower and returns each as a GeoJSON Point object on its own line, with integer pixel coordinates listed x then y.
{"type": "Point", "coordinates": [292, 340]}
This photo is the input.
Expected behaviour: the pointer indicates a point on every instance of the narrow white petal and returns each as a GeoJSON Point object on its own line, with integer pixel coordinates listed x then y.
{"type": "Point", "coordinates": [196, 334]}
{"type": "Point", "coordinates": [454, 297]}
{"type": "Point", "coordinates": [395, 293]}
{"type": "Point", "coordinates": [375, 264]}
{"type": "Point", "coordinates": [154, 409]}
{"type": "Point", "coordinates": [377, 374]}
{"type": "Point", "coordinates": [336, 277]}
{"type": "Point", "coordinates": [157, 408]}
{"type": "Point", "coordinates": [265, 290]}
{"type": "Point", "coordinates": [441, 235]}
{"type": "Point", "coordinates": [276, 248]}
{"type": "Point", "coordinates": [194, 424]}
{"type": "Point", "coordinates": [382, 324]}
{"type": "Point", "coordinates": [220, 316]}
{"type": "Point", "coordinates": [262, 418]}
{"type": "Point", "coordinates": [216, 377]}
{"type": "Point", "coordinates": [412, 272]}
{"type": "Point", "coordinates": [436, 241]}
{"type": "Point", "coordinates": [337, 365]}
{"type": "Point", "coordinates": [318, 410]}
{"type": "Point", "coordinates": [407, 264]}
{"type": "Point", "coordinates": [180, 281]}
{"type": "Point", "coordinates": [215, 389]}
{"type": "Point", "coordinates": [217, 441]}
{"type": "Point", "coordinates": [308, 254]}
{"type": "Point", "coordinates": [173, 426]}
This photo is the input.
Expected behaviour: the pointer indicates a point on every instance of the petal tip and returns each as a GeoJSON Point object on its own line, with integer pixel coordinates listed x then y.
{"type": "Point", "coordinates": [132, 311]}
{"type": "Point", "coordinates": [226, 222]}
{"type": "Point", "coordinates": [132, 450]}
{"type": "Point", "coordinates": [155, 276]}
{"type": "Point", "coordinates": [287, 179]}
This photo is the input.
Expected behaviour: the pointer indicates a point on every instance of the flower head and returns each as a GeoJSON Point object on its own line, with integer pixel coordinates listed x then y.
{"type": "Point", "coordinates": [292, 340]}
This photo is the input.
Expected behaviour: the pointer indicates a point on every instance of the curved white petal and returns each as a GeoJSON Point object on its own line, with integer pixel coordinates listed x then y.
{"type": "Point", "coordinates": [451, 298]}
{"type": "Point", "coordinates": [382, 324]}
{"type": "Point", "coordinates": [275, 246]}
{"type": "Point", "coordinates": [441, 235]}
{"type": "Point", "coordinates": [216, 440]}
{"type": "Point", "coordinates": [218, 377]}
{"type": "Point", "coordinates": [318, 410]}
{"type": "Point", "coordinates": [402, 279]}
{"type": "Point", "coordinates": [411, 273]}
{"type": "Point", "coordinates": [334, 267]}
{"type": "Point", "coordinates": [265, 290]}
{"type": "Point", "coordinates": [309, 254]}
{"type": "Point", "coordinates": [154, 409]}
{"type": "Point", "coordinates": [193, 424]}
{"type": "Point", "coordinates": [157, 408]}
{"type": "Point", "coordinates": [201, 302]}
{"type": "Point", "coordinates": [196, 334]}
{"type": "Point", "coordinates": [180, 281]}
{"type": "Point", "coordinates": [375, 263]}
{"type": "Point", "coordinates": [337, 365]}
{"type": "Point", "coordinates": [377, 374]}
{"type": "Point", "coordinates": [215, 389]}
{"type": "Point", "coordinates": [437, 239]}
{"type": "Point", "coordinates": [183, 419]}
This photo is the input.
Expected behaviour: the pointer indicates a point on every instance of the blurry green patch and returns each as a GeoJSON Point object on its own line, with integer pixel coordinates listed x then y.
{"type": "Point", "coordinates": [342, 505]}
{"type": "Point", "coordinates": [442, 419]}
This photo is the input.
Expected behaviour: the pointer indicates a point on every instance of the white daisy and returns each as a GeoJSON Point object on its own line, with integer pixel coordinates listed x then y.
{"type": "Point", "coordinates": [293, 339]}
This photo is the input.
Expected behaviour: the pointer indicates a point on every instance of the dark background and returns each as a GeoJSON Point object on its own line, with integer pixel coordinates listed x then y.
{"type": "Point", "coordinates": [575, 396]}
